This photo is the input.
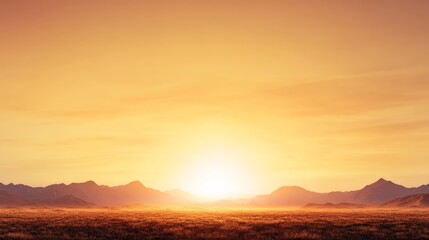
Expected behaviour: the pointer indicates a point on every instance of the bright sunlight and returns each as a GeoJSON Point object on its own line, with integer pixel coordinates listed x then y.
{"type": "Point", "coordinates": [217, 175]}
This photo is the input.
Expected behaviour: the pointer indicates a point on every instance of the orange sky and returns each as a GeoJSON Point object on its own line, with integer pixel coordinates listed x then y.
{"type": "Point", "coordinates": [328, 95]}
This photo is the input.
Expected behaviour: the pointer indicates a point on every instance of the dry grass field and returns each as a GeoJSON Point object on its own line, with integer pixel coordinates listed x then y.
{"type": "Point", "coordinates": [212, 224]}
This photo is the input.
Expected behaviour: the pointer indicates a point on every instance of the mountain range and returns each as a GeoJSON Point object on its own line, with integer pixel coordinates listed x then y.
{"type": "Point", "coordinates": [380, 193]}
{"type": "Point", "coordinates": [83, 195]}
{"type": "Point", "coordinates": [412, 201]}
{"type": "Point", "coordinates": [375, 193]}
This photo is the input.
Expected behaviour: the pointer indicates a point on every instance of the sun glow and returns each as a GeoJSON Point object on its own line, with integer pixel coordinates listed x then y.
{"type": "Point", "coordinates": [217, 175]}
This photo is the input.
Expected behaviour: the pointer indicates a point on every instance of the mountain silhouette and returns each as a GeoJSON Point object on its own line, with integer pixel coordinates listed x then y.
{"type": "Point", "coordinates": [375, 193]}
{"type": "Point", "coordinates": [334, 206]}
{"type": "Point", "coordinates": [32, 194]}
{"type": "Point", "coordinates": [286, 196]}
{"type": "Point", "coordinates": [412, 201]}
{"type": "Point", "coordinates": [381, 191]}
{"type": "Point", "coordinates": [87, 193]}
{"type": "Point", "coordinates": [65, 201]}
{"type": "Point", "coordinates": [131, 193]}
{"type": "Point", "coordinates": [27, 196]}
{"type": "Point", "coordinates": [7, 199]}
{"type": "Point", "coordinates": [91, 194]}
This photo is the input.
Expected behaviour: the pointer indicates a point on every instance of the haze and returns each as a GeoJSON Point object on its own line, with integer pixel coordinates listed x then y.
{"type": "Point", "coordinates": [238, 97]}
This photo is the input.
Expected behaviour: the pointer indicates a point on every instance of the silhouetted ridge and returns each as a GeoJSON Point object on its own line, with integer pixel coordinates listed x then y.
{"type": "Point", "coordinates": [375, 193]}
{"type": "Point", "coordinates": [7, 199]}
{"type": "Point", "coordinates": [135, 184]}
{"type": "Point", "coordinates": [290, 189]}
{"type": "Point", "coordinates": [382, 183]}
{"type": "Point", "coordinates": [86, 193]}
{"type": "Point", "coordinates": [412, 201]}
{"type": "Point", "coordinates": [334, 206]}
{"type": "Point", "coordinates": [90, 183]}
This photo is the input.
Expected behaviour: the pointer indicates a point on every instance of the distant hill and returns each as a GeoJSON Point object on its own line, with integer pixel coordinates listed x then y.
{"type": "Point", "coordinates": [87, 193]}
{"type": "Point", "coordinates": [412, 201]}
{"type": "Point", "coordinates": [383, 190]}
{"type": "Point", "coordinates": [7, 199]}
{"type": "Point", "coordinates": [335, 206]}
{"type": "Point", "coordinates": [26, 199]}
{"type": "Point", "coordinates": [66, 201]}
{"type": "Point", "coordinates": [287, 196]}
{"type": "Point", "coordinates": [131, 193]}
{"type": "Point", "coordinates": [375, 193]}
{"type": "Point", "coordinates": [31, 194]}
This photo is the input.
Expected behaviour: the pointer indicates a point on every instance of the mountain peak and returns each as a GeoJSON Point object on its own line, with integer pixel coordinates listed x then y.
{"type": "Point", "coordinates": [382, 180]}
{"type": "Point", "coordinates": [289, 189]}
{"type": "Point", "coordinates": [90, 182]}
{"type": "Point", "coordinates": [383, 184]}
{"type": "Point", "coordinates": [135, 184]}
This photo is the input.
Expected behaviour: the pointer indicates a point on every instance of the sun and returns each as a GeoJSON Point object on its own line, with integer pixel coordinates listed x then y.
{"type": "Point", "coordinates": [216, 175]}
{"type": "Point", "coordinates": [213, 180]}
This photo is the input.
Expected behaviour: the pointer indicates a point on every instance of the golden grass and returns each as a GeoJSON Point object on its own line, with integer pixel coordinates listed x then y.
{"type": "Point", "coordinates": [212, 224]}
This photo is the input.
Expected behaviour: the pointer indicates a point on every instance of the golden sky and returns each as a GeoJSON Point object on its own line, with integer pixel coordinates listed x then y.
{"type": "Point", "coordinates": [328, 95]}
